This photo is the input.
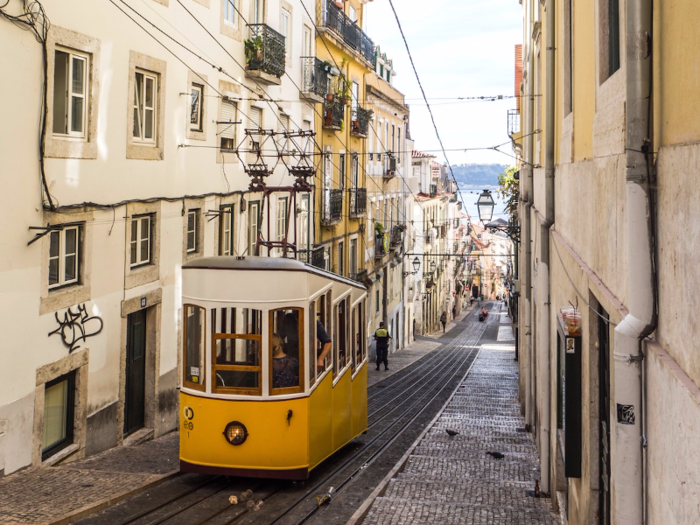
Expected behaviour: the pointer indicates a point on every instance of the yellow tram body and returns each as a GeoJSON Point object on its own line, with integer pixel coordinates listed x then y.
{"type": "Point", "coordinates": [235, 310]}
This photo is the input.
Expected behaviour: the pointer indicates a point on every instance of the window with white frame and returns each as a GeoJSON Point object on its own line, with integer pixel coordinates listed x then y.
{"type": "Point", "coordinates": [64, 256]}
{"type": "Point", "coordinates": [303, 218]}
{"type": "Point", "coordinates": [341, 258]}
{"type": "Point", "coordinates": [226, 230]}
{"type": "Point", "coordinates": [282, 203]}
{"type": "Point", "coordinates": [192, 230]}
{"type": "Point", "coordinates": [285, 26]}
{"type": "Point", "coordinates": [283, 127]}
{"type": "Point", "coordinates": [145, 106]}
{"type": "Point", "coordinates": [253, 224]}
{"type": "Point", "coordinates": [227, 125]}
{"type": "Point", "coordinates": [141, 240]}
{"type": "Point", "coordinates": [70, 93]}
{"type": "Point", "coordinates": [341, 171]}
{"type": "Point", "coordinates": [230, 12]}
{"type": "Point", "coordinates": [306, 51]}
{"type": "Point", "coordinates": [196, 106]}
{"type": "Point", "coordinates": [255, 118]}
{"type": "Point", "coordinates": [353, 258]}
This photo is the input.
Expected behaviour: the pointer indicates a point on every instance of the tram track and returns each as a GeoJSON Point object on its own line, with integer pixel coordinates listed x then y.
{"type": "Point", "coordinates": [421, 387]}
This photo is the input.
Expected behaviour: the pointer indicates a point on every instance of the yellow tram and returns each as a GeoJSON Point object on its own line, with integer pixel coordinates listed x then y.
{"type": "Point", "coordinates": [249, 324]}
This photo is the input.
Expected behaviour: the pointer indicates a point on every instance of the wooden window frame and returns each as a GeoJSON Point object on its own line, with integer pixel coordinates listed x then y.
{"type": "Point", "coordinates": [140, 108]}
{"type": "Point", "coordinates": [201, 386]}
{"type": "Point", "coordinates": [139, 239]}
{"type": "Point", "coordinates": [62, 282]}
{"type": "Point", "coordinates": [68, 440]}
{"type": "Point", "coordinates": [290, 389]}
{"type": "Point", "coordinates": [198, 124]}
{"type": "Point", "coordinates": [194, 232]}
{"type": "Point", "coordinates": [70, 94]}
{"type": "Point", "coordinates": [224, 233]}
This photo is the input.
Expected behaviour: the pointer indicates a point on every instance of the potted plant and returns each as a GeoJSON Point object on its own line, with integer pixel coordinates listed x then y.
{"type": "Point", "coordinates": [254, 49]}
{"type": "Point", "coordinates": [378, 229]}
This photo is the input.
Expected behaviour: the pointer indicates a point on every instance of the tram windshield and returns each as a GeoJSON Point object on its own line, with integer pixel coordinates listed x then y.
{"type": "Point", "coordinates": [237, 338]}
{"type": "Point", "coordinates": [194, 347]}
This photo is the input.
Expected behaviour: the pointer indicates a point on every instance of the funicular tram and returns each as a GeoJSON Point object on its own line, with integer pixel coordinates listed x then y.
{"type": "Point", "coordinates": [250, 323]}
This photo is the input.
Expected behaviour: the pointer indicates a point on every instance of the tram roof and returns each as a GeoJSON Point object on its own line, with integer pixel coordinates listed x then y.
{"type": "Point", "coordinates": [255, 263]}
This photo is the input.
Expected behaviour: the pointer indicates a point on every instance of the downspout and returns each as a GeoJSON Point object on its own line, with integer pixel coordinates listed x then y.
{"type": "Point", "coordinates": [627, 471]}
{"type": "Point", "coordinates": [526, 245]}
{"type": "Point", "coordinates": [544, 361]}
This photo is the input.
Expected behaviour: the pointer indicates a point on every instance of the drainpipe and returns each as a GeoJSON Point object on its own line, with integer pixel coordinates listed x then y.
{"type": "Point", "coordinates": [526, 240]}
{"type": "Point", "coordinates": [627, 471]}
{"type": "Point", "coordinates": [544, 274]}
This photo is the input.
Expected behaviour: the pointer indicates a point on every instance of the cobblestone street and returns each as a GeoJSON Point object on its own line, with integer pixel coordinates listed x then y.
{"type": "Point", "coordinates": [453, 480]}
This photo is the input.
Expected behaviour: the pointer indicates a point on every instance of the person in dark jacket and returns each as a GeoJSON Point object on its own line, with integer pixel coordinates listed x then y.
{"type": "Point", "coordinates": [443, 320]}
{"type": "Point", "coordinates": [381, 336]}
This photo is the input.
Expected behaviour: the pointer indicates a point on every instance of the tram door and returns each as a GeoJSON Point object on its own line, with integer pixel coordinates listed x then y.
{"type": "Point", "coordinates": [135, 389]}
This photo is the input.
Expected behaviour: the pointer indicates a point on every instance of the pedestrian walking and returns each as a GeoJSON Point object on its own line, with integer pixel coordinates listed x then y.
{"type": "Point", "coordinates": [443, 320]}
{"type": "Point", "coordinates": [382, 336]}
{"type": "Point", "coordinates": [454, 312]}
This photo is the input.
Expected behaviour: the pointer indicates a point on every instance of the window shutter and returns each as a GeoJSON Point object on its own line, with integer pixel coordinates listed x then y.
{"type": "Point", "coordinates": [228, 114]}
{"type": "Point", "coordinates": [255, 118]}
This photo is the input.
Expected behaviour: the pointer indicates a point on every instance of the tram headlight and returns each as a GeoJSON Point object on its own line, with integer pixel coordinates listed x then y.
{"type": "Point", "coordinates": [236, 433]}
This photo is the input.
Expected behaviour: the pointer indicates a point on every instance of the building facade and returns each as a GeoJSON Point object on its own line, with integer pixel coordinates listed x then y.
{"type": "Point", "coordinates": [148, 154]}
{"type": "Point", "coordinates": [609, 372]}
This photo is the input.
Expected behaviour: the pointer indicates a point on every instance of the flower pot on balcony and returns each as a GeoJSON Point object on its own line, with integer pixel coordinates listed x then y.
{"type": "Point", "coordinates": [329, 97]}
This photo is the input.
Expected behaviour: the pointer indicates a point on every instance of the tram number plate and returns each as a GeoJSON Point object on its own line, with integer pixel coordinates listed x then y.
{"type": "Point", "coordinates": [188, 425]}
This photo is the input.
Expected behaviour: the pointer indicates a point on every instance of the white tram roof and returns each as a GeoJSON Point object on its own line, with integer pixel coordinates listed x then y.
{"type": "Point", "coordinates": [259, 279]}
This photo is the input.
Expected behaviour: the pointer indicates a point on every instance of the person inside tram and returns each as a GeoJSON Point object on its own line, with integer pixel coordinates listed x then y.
{"type": "Point", "coordinates": [325, 342]}
{"type": "Point", "coordinates": [285, 368]}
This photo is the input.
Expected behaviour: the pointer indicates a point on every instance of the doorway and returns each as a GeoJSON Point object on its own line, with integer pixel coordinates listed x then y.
{"type": "Point", "coordinates": [604, 416]}
{"type": "Point", "coordinates": [135, 376]}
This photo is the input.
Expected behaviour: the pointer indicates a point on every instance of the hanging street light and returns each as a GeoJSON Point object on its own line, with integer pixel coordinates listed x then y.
{"type": "Point", "coordinates": [416, 267]}
{"type": "Point", "coordinates": [485, 205]}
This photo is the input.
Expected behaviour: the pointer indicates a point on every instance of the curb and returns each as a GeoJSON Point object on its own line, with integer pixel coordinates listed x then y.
{"type": "Point", "coordinates": [113, 500]}
{"type": "Point", "coordinates": [361, 512]}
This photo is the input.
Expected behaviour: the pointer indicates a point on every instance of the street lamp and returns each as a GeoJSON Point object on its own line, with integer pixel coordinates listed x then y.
{"type": "Point", "coordinates": [432, 266]}
{"type": "Point", "coordinates": [485, 205]}
{"type": "Point", "coordinates": [416, 267]}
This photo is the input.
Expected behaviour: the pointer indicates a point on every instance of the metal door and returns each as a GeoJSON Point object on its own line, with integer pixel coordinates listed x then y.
{"type": "Point", "coordinates": [135, 389]}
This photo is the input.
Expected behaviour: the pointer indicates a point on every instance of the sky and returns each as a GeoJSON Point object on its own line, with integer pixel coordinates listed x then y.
{"type": "Point", "coordinates": [461, 48]}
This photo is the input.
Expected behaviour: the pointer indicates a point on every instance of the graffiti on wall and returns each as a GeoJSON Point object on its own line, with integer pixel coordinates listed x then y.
{"type": "Point", "coordinates": [76, 326]}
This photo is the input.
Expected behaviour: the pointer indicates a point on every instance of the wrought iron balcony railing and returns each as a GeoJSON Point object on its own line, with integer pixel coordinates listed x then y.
{"type": "Point", "coordinates": [513, 121]}
{"type": "Point", "coordinates": [358, 202]}
{"type": "Point", "coordinates": [318, 258]}
{"type": "Point", "coordinates": [360, 121]}
{"type": "Point", "coordinates": [265, 50]}
{"type": "Point", "coordinates": [314, 77]}
{"type": "Point", "coordinates": [332, 206]}
{"type": "Point", "coordinates": [334, 112]}
{"type": "Point", "coordinates": [349, 31]}
{"type": "Point", "coordinates": [396, 238]}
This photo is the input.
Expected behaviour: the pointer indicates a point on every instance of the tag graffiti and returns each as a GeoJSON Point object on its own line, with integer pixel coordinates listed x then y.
{"type": "Point", "coordinates": [76, 326]}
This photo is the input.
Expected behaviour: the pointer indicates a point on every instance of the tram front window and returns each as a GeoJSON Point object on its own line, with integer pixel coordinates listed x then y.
{"type": "Point", "coordinates": [194, 347]}
{"type": "Point", "coordinates": [237, 334]}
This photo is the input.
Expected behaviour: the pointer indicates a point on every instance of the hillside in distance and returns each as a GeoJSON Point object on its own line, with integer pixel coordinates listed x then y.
{"type": "Point", "coordinates": [478, 174]}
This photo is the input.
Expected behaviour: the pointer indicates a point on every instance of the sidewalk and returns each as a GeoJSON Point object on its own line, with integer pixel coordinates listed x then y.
{"type": "Point", "coordinates": [452, 480]}
{"type": "Point", "coordinates": [58, 495]}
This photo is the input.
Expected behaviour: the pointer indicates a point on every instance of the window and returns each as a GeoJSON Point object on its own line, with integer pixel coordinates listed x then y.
{"type": "Point", "coordinates": [253, 226]}
{"type": "Point", "coordinates": [196, 107]}
{"type": "Point", "coordinates": [286, 351]}
{"type": "Point", "coordinates": [255, 118]}
{"type": "Point", "coordinates": [226, 230]}
{"type": "Point", "coordinates": [230, 14]}
{"type": "Point", "coordinates": [355, 95]}
{"type": "Point", "coordinates": [59, 402]}
{"type": "Point", "coordinates": [259, 11]}
{"type": "Point", "coordinates": [64, 256]}
{"type": "Point", "coordinates": [194, 347]}
{"type": "Point", "coordinates": [355, 171]}
{"type": "Point", "coordinates": [140, 240]}
{"type": "Point", "coordinates": [341, 171]}
{"type": "Point", "coordinates": [306, 51]}
{"type": "Point", "coordinates": [236, 339]}
{"type": "Point", "coordinates": [340, 336]}
{"type": "Point", "coordinates": [304, 226]}
{"type": "Point", "coordinates": [145, 86]}
{"type": "Point", "coordinates": [282, 221]}
{"type": "Point", "coordinates": [283, 127]}
{"type": "Point", "coordinates": [285, 25]}
{"type": "Point", "coordinates": [70, 93]}
{"type": "Point", "coordinates": [353, 258]}
{"type": "Point", "coordinates": [613, 36]}
{"type": "Point", "coordinates": [227, 125]}
{"type": "Point", "coordinates": [192, 230]}
{"type": "Point", "coordinates": [376, 300]}
{"type": "Point", "coordinates": [341, 258]}
{"type": "Point", "coordinates": [399, 146]}
{"type": "Point", "coordinates": [353, 14]}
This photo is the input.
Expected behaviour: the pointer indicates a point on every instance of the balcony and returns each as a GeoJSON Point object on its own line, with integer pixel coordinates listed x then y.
{"type": "Point", "coordinates": [348, 31]}
{"type": "Point", "coordinates": [360, 122]}
{"type": "Point", "coordinates": [358, 202]}
{"type": "Point", "coordinates": [314, 79]}
{"type": "Point", "coordinates": [381, 245]}
{"type": "Point", "coordinates": [396, 237]}
{"type": "Point", "coordinates": [333, 112]}
{"type": "Point", "coordinates": [318, 258]}
{"type": "Point", "coordinates": [389, 166]}
{"type": "Point", "coordinates": [332, 206]}
{"type": "Point", "coordinates": [265, 54]}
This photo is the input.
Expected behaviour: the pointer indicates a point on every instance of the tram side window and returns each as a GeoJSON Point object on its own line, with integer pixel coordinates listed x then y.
{"type": "Point", "coordinates": [194, 347]}
{"type": "Point", "coordinates": [340, 332]}
{"type": "Point", "coordinates": [323, 315]}
{"type": "Point", "coordinates": [363, 328]}
{"type": "Point", "coordinates": [286, 356]}
{"type": "Point", "coordinates": [237, 337]}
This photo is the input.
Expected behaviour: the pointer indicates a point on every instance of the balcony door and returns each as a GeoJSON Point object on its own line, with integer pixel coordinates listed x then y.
{"type": "Point", "coordinates": [259, 11]}
{"type": "Point", "coordinates": [135, 388]}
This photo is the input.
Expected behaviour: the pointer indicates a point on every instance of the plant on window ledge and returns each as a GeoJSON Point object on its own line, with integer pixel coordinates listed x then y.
{"type": "Point", "coordinates": [378, 228]}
